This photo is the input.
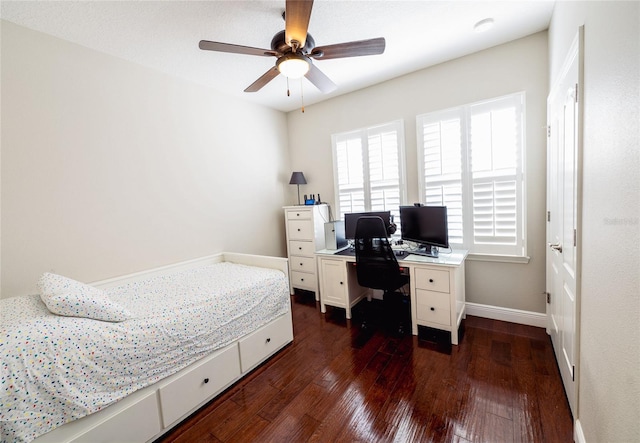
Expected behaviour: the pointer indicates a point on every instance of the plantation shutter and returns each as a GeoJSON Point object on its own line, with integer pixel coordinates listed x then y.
{"type": "Point", "coordinates": [369, 169]}
{"type": "Point", "coordinates": [495, 154]}
{"type": "Point", "coordinates": [384, 168]}
{"type": "Point", "coordinates": [470, 160]}
{"type": "Point", "coordinates": [440, 137]}
{"type": "Point", "coordinates": [350, 173]}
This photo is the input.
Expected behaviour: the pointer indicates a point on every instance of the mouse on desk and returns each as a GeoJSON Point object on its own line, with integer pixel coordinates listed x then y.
{"type": "Point", "coordinates": [400, 253]}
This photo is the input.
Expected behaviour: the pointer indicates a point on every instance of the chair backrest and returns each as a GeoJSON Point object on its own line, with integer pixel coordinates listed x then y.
{"type": "Point", "coordinates": [376, 264]}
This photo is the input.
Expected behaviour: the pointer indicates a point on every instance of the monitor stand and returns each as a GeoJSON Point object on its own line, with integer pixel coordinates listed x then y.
{"type": "Point", "coordinates": [426, 250]}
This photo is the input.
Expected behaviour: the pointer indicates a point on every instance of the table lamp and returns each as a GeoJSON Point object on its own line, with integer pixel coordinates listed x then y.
{"type": "Point", "coordinates": [297, 178]}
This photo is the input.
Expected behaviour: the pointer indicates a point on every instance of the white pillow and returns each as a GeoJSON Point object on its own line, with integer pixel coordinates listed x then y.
{"type": "Point", "coordinates": [71, 298]}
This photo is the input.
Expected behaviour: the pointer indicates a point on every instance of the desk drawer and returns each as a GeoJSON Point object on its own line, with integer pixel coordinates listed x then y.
{"type": "Point", "coordinates": [301, 230]}
{"type": "Point", "coordinates": [299, 214]}
{"type": "Point", "coordinates": [304, 280]}
{"type": "Point", "coordinates": [432, 279]}
{"type": "Point", "coordinates": [433, 307]}
{"type": "Point", "coordinates": [303, 264]}
{"type": "Point", "coordinates": [265, 341]}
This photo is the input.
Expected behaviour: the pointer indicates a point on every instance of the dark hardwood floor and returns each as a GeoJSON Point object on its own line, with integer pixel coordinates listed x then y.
{"type": "Point", "coordinates": [338, 383]}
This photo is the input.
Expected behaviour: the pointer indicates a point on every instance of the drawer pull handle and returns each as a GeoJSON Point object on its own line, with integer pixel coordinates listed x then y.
{"type": "Point", "coordinates": [206, 380]}
{"type": "Point", "coordinates": [430, 280]}
{"type": "Point", "coordinates": [268, 340]}
{"type": "Point", "coordinates": [298, 229]}
{"type": "Point", "coordinates": [300, 264]}
{"type": "Point", "coordinates": [300, 248]}
{"type": "Point", "coordinates": [302, 279]}
{"type": "Point", "coordinates": [433, 309]}
{"type": "Point", "coordinates": [341, 283]}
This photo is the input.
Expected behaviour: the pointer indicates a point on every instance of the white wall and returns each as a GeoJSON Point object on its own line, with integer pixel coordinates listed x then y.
{"type": "Point", "coordinates": [516, 66]}
{"type": "Point", "coordinates": [110, 168]}
{"type": "Point", "coordinates": [609, 376]}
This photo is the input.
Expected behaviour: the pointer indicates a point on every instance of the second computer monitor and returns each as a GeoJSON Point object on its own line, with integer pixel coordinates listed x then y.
{"type": "Point", "coordinates": [425, 225]}
{"type": "Point", "coordinates": [351, 219]}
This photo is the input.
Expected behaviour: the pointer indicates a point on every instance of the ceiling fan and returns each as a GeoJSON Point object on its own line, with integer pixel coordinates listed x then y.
{"type": "Point", "coordinates": [295, 48]}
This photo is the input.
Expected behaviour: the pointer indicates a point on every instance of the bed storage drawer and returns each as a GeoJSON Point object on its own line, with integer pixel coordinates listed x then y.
{"type": "Point", "coordinates": [200, 383]}
{"type": "Point", "coordinates": [265, 341]}
{"type": "Point", "coordinates": [138, 422]}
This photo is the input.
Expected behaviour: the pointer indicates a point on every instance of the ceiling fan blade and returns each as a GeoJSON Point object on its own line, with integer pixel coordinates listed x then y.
{"type": "Point", "coordinates": [297, 14]}
{"type": "Point", "coordinates": [234, 49]}
{"type": "Point", "coordinates": [372, 46]}
{"type": "Point", "coordinates": [263, 80]}
{"type": "Point", "coordinates": [320, 80]}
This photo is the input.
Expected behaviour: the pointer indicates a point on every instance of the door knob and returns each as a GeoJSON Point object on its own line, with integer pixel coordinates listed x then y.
{"type": "Point", "coordinates": [556, 247]}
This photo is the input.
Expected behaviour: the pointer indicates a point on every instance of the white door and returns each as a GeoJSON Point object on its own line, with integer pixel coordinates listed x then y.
{"type": "Point", "coordinates": [564, 111]}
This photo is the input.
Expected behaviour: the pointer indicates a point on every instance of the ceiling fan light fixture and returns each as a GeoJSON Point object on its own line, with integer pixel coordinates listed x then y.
{"type": "Point", "coordinates": [484, 25]}
{"type": "Point", "coordinates": [293, 65]}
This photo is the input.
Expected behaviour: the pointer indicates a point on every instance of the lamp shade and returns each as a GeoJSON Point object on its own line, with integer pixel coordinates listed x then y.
{"type": "Point", "coordinates": [297, 178]}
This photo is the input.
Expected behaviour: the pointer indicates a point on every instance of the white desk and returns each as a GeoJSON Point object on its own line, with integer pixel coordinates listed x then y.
{"type": "Point", "coordinates": [436, 287]}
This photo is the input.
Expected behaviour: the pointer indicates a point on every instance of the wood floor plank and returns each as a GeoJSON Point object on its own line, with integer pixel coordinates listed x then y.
{"type": "Point", "coordinates": [349, 403]}
{"type": "Point", "coordinates": [251, 430]}
{"type": "Point", "coordinates": [365, 424]}
{"type": "Point", "coordinates": [337, 382]}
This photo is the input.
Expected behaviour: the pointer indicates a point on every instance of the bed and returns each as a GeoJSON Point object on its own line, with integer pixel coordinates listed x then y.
{"type": "Point", "coordinates": [159, 345]}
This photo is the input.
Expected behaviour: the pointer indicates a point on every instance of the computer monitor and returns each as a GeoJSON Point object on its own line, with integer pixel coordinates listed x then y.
{"type": "Point", "coordinates": [427, 226]}
{"type": "Point", "coordinates": [351, 219]}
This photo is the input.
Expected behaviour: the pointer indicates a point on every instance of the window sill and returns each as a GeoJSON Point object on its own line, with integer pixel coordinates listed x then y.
{"type": "Point", "coordinates": [499, 258]}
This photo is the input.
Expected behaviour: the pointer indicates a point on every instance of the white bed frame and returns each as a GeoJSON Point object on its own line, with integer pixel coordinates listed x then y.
{"type": "Point", "coordinates": [150, 412]}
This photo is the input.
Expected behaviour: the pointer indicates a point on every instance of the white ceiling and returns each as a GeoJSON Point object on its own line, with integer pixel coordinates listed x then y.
{"type": "Point", "coordinates": [164, 35]}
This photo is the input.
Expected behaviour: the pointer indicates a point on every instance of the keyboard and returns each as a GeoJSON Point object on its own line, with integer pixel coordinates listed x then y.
{"type": "Point", "coordinates": [349, 252]}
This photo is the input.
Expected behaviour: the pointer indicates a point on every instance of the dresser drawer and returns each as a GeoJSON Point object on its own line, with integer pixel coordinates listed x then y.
{"type": "Point", "coordinates": [432, 279]}
{"type": "Point", "coordinates": [304, 280]}
{"type": "Point", "coordinates": [433, 307]}
{"type": "Point", "coordinates": [199, 384]}
{"type": "Point", "coordinates": [303, 264]}
{"type": "Point", "coordinates": [297, 247]}
{"type": "Point", "coordinates": [301, 230]}
{"type": "Point", "coordinates": [265, 341]}
{"type": "Point", "coordinates": [301, 214]}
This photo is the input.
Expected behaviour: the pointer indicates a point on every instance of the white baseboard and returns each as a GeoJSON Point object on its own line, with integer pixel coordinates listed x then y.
{"type": "Point", "coordinates": [507, 314]}
{"type": "Point", "coordinates": [578, 435]}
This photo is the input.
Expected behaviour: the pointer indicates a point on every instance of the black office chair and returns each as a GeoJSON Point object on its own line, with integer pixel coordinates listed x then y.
{"type": "Point", "coordinates": [376, 264]}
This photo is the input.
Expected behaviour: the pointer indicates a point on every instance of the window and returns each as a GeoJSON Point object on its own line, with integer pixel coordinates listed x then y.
{"type": "Point", "coordinates": [471, 160]}
{"type": "Point", "coordinates": [369, 169]}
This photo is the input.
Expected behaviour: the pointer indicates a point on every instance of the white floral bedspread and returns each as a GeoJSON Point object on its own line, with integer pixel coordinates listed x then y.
{"type": "Point", "coordinates": [57, 369]}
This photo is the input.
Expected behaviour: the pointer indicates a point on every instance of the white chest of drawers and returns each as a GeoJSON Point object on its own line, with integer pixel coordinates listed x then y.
{"type": "Point", "coordinates": [305, 235]}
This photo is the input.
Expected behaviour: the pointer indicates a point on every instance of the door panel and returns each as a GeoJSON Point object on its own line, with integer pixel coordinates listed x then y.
{"type": "Point", "coordinates": [564, 111]}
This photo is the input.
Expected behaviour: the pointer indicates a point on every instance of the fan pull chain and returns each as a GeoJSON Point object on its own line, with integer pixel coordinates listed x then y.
{"type": "Point", "coordinates": [288, 92]}
{"type": "Point", "coordinates": [301, 97]}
